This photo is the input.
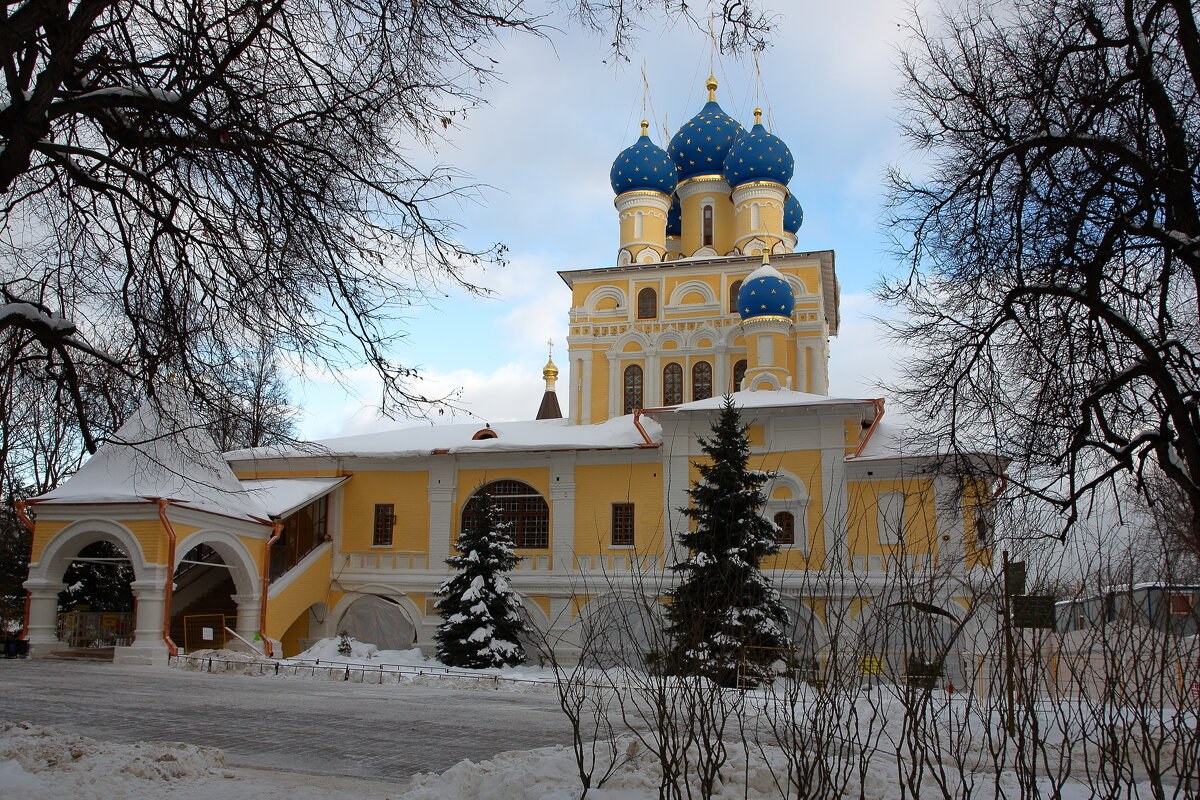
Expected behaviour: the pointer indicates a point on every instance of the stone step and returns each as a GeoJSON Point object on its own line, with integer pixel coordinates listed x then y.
{"type": "Point", "coordinates": [83, 654]}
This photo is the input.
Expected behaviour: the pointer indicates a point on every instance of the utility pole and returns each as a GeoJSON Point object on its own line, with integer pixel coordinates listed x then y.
{"type": "Point", "coordinates": [1009, 656]}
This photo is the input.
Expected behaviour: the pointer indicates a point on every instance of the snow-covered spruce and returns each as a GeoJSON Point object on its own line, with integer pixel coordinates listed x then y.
{"type": "Point", "coordinates": [481, 615]}
{"type": "Point", "coordinates": [724, 616]}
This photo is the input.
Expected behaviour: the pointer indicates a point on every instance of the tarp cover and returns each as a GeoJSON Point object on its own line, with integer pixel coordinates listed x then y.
{"type": "Point", "coordinates": [380, 622]}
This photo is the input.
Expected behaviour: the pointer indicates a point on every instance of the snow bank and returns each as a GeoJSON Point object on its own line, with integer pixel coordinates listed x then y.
{"type": "Point", "coordinates": [37, 763]}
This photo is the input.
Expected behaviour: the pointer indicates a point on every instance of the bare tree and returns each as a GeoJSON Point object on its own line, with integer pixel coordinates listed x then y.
{"type": "Point", "coordinates": [179, 178]}
{"type": "Point", "coordinates": [1053, 241]}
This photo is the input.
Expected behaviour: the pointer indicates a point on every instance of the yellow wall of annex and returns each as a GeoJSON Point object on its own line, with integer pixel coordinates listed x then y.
{"type": "Point", "coordinates": [806, 466]}
{"type": "Point", "coordinates": [408, 492]}
{"type": "Point", "coordinates": [598, 487]}
{"type": "Point", "coordinates": [43, 532]}
{"type": "Point", "coordinates": [310, 586]}
{"type": "Point", "coordinates": [920, 521]}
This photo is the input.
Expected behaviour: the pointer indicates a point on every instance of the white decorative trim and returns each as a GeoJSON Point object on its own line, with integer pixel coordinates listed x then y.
{"type": "Point", "coordinates": [687, 287]}
{"type": "Point", "coordinates": [643, 199]}
{"type": "Point", "coordinates": [605, 292]}
{"type": "Point", "coordinates": [233, 552]}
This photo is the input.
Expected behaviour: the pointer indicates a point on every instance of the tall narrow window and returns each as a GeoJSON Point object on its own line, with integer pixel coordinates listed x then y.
{"type": "Point", "coordinates": [787, 528]}
{"type": "Point", "coordinates": [739, 374]}
{"type": "Point", "coordinates": [622, 524]}
{"type": "Point", "coordinates": [647, 304]}
{"type": "Point", "coordinates": [701, 380]}
{"type": "Point", "coordinates": [734, 288]}
{"type": "Point", "coordinates": [672, 384]}
{"type": "Point", "coordinates": [637, 225]}
{"type": "Point", "coordinates": [633, 388]}
{"type": "Point", "coordinates": [707, 226]}
{"type": "Point", "coordinates": [755, 217]}
{"type": "Point", "coordinates": [385, 521]}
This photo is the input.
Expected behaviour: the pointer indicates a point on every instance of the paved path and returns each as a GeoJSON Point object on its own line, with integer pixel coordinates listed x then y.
{"type": "Point", "coordinates": [363, 731]}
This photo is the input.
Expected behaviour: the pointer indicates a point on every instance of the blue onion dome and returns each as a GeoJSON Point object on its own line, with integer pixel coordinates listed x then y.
{"type": "Point", "coordinates": [700, 146]}
{"type": "Point", "coordinates": [793, 215]}
{"type": "Point", "coordinates": [643, 165]}
{"type": "Point", "coordinates": [765, 293]}
{"type": "Point", "coordinates": [758, 156]}
{"type": "Point", "coordinates": [675, 218]}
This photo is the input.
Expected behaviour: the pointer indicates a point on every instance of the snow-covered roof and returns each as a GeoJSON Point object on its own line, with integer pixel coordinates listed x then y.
{"type": "Point", "coordinates": [887, 440]}
{"type": "Point", "coordinates": [282, 496]}
{"type": "Point", "coordinates": [783, 398]}
{"type": "Point", "coordinates": [545, 434]}
{"type": "Point", "coordinates": [150, 458]}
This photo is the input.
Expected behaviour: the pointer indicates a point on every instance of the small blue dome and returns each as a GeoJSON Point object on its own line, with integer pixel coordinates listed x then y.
{"type": "Point", "coordinates": [675, 218]}
{"type": "Point", "coordinates": [643, 165]}
{"type": "Point", "coordinates": [765, 292]}
{"type": "Point", "coordinates": [793, 215]}
{"type": "Point", "coordinates": [700, 146]}
{"type": "Point", "coordinates": [758, 156]}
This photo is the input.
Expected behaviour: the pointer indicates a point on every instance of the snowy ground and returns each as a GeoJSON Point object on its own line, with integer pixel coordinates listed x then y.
{"type": "Point", "coordinates": [37, 762]}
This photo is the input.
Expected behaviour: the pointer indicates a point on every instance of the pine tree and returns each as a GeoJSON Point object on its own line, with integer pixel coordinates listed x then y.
{"type": "Point", "coordinates": [723, 603]}
{"type": "Point", "coordinates": [482, 617]}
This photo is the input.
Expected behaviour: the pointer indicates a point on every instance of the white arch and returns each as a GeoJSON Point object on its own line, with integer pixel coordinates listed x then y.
{"type": "Point", "coordinates": [596, 295]}
{"type": "Point", "coordinates": [705, 331]}
{"type": "Point", "coordinates": [797, 504]}
{"type": "Point", "coordinates": [631, 335]}
{"type": "Point", "coordinates": [687, 287]}
{"type": "Point", "coordinates": [624, 258]}
{"type": "Point", "coordinates": [796, 603]}
{"type": "Point", "coordinates": [233, 552]}
{"type": "Point", "coordinates": [63, 546]}
{"type": "Point", "coordinates": [668, 336]}
{"type": "Point", "coordinates": [799, 289]}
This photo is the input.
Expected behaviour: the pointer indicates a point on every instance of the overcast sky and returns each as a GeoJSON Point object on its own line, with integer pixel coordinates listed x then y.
{"type": "Point", "coordinates": [544, 144]}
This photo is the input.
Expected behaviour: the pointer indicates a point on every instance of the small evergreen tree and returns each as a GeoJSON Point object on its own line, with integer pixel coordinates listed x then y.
{"type": "Point", "coordinates": [723, 603]}
{"type": "Point", "coordinates": [481, 616]}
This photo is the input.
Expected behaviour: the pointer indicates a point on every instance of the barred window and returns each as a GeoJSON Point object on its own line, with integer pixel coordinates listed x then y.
{"type": "Point", "coordinates": [672, 384]}
{"type": "Point", "coordinates": [739, 374]}
{"type": "Point", "coordinates": [520, 505]}
{"type": "Point", "coordinates": [787, 528]}
{"type": "Point", "coordinates": [633, 389]}
{"type": "Point", "coordinates": [622, 524]}
{"type": "Point", "coordinates": [701, 380]}
{"type": "Point", "coordinates": [385, 521]}
{"type": "Point", "coordinates": [647, 304]}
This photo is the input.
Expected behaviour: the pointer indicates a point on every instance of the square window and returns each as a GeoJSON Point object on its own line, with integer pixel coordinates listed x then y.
{"type": "Point", "coordinates": [622, 524]}
{"type": "Point", "coordinates": [1181, 604]}
{"type": "Point", "coordinates": [385, 521]}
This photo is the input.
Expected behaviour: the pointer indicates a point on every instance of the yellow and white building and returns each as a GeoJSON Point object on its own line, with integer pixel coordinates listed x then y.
{"type": "Point", "coordinates": [352, 533]}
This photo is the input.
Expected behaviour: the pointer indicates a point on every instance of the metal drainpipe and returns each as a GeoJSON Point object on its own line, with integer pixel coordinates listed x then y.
{"type": "Point", "coordinates": [268, 648]}
{"type": "Point", "coordinates": [28, 523]}
{"type": "Point", "coordinates": [169, 589]}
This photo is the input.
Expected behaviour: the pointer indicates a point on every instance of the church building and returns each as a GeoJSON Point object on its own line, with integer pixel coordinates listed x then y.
{"type": "Point", "coordinates": [708, 296]}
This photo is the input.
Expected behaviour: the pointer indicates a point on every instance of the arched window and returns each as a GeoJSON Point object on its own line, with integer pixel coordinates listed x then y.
{"type": "Point", "coordinates": [647, 304]}
{"type": "Point", "coordinates": [672, 384]}
{"type": "Point", "coordinates": [522, 506]}
{"type": "Point", "coordinates": [787, 528]}
{"type": "Point", "coordinates": [701, 380]}
{"type": "Point", "coordinates": [739, 374]}
{"type": "Point", "coordinates": [633, 388]}
{"type": "Point", "coordinates": [707, 226]}
{"type": "Point", "coordinates": [755, 217]}
{"type": "Point", "coordinates": [734, 288]}
{"type": "Point", "coordinates": [637, 225]}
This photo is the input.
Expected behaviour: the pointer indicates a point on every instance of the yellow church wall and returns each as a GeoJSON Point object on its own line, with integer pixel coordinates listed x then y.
{"type": "Point", "coordinates": [251, 474]}
{"type": "Point", "coordinates": [153, 538]}
{"type": "Point", "coordinates": [597, 487]}
{"type": "Point", "coordinates": [599, 399]}
{"type": "Point", "coordinates": [920, 522]}
{"type": "Point", "coordinates": [542, 601]}
{"type": "Point", "coordinates": [290, 640]}
{"type": "Point", "coordinates": [257, 548]}
{"type": "Point", "coordinates": [975, 493]}
{"type": "Point", "coordinates": [43, 532]}
{"type": "Point", "coordinates": [303, 590]}
{"type": "Point", "coordinates": [407, 491]}
{"type": "Point", "coordinates": [723, 222]}
{"type": "Point", "coordinates": [805, 465]}
{"type": "Point", "coordinates": [471, 479]}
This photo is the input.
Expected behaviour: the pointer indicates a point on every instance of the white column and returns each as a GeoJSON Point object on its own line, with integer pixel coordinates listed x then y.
{"type": "Point", "coordinates": [443, 485]}
{"type": "Point", "coordinates": [835, 519]}
{"type": "Point", "coordinates": [249, 614]}
{"type": "Point", "coordinates": [148, 646]}
{"type": "Point", "coordinates": [43, 616]}
{"type": "Point", "coordinates": [562, 511]}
